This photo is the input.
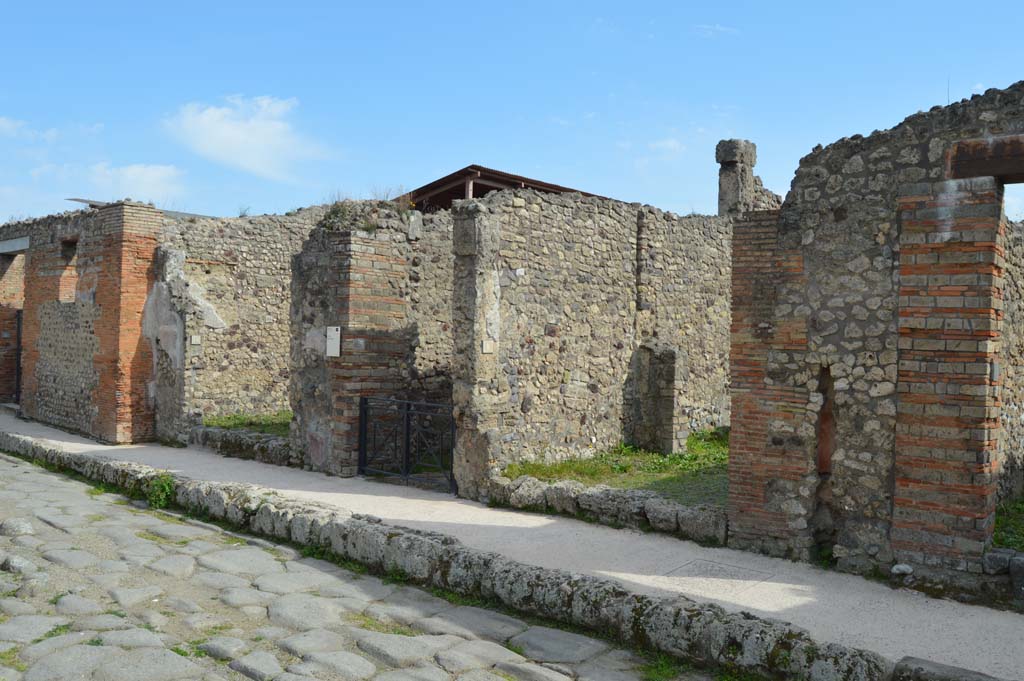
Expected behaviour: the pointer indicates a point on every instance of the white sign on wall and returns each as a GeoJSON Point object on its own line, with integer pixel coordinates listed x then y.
{"type": "Point", "coordinates": [333, 341]}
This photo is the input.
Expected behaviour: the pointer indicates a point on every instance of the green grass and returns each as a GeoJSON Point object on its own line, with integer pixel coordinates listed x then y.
{"type": "Point", "coordinates": [323, 553]}
{"type": "Point", "coordinates": [157, 539]}
{"type": "Point", "coordinates": [272, 424]}
{"type": "Point", "coordinates": [374, 624]}
{"type": "Point", "coordinates": [59, 630]}
{"type": "Point", "coordinates": [662, 667]}
{"type": "Point", "coordinates": [459, 599]}
{"type": "Point", "coordinates": [516, 648]}
{"type": "Point", "coordinates": [9, 658]}
{"type": "Point", "coordinates": [1009, 532]}
{"type": "Point", "coordinates": [698, 475]}
{"type": "Point", "coordinates": [394, 576]}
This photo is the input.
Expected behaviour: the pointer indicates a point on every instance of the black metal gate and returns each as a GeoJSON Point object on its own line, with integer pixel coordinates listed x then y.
{"type": "Point", "coordinates": [407, 439]}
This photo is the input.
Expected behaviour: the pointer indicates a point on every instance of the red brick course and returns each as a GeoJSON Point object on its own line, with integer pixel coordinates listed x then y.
{"type": "Point", "coordinates": [756, 457]}
{"type": "Point", "coordinates": [948, 418]}
{"type": "Point", "coordinates": [112, 273]}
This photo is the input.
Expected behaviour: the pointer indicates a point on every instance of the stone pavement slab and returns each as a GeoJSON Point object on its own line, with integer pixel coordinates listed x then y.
{"type": "Point", "coordinates": [173, 624]}
{"type": "Point", "coordinates": [831, 606]}
{"type": "Point", "coordinates": [554, 645]}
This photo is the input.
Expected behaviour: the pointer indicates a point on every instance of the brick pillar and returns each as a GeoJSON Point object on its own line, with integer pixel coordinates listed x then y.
{"type": "Point", "coordinates": [772, 468]}
{"type": "Point", "coordinates": [375, 341]}
{"type": "Point", "coordinates": [948, 421]}
{"type": "Point", "coordinates": [128, 235]}
{"type": "Point", "coordinates": [478, 387]}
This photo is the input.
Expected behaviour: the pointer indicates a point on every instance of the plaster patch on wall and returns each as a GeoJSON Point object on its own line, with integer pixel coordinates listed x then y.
{"type": "Point", "coordinates": [211, 319]}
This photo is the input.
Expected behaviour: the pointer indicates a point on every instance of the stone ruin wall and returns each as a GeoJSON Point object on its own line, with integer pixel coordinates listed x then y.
{"type": "Point", "coordinates": [683, 301]}
{"type": "Point", "coordinates": [581, 323]}
{"type": "Point", "coordinates": [567, 290]}
{"type": "Point", "coordinates": [385, 278]}
{"type": "Point", "coordinates": [816, 320]}
{"type": "Point", "coordinates": [12, 300]}
{"type": "Point", "coordinates": [81, 281]}
{"type": "Point", "coordinates": [219, 316]}
{"type": "Point", "coordinates": [1011, 483]}
{"type": "Point", "coordinates": [60, 340]}
{"type": "Point", "coordinates": [740, 191]}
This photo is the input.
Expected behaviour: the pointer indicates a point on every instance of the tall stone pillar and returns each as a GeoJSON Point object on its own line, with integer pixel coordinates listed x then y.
{"type": "Point", "coordinates": [478, 388]}
{"type": "Point", "coordinates": [737, 188]}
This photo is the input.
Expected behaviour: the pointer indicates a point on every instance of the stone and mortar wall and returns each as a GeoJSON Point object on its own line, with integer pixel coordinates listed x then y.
{"type": "Point", "coordinates": [580, 323]}
{"type": "Point", "coordinates": [12, 300]}
{"type": "Point", "coordinates": [683, 301]}
{"type": "Point", "coordinates": [244, 444]}
{"type": "Point", "coordinates": [739, 189]}
{"type": "Point", "coordinates": [817, 343]}
{"type": "Point", "coordinates": [633, 508]}
{"type": "Point", "coordinates": [1011, 482]}
{"type": "Point", "coordinates": [219, 316]}
{"type": "Point", "coordinates": [86, 275]}
{"type": "Point", "coordinates": [384, 277]}
{"type": "Point", "coordinates": [59, 339]}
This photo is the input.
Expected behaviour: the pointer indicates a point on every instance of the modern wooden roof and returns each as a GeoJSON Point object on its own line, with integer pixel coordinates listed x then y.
{"type": "Point", "coordinates": [476, 181]}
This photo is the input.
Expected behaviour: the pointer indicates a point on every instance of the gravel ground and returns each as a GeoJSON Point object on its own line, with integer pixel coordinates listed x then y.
{"type": "Point", "coordinates": [94, 587]}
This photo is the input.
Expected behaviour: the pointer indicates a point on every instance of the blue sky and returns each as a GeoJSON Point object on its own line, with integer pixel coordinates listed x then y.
{"type": "Point", "coordinates": [215, 107]}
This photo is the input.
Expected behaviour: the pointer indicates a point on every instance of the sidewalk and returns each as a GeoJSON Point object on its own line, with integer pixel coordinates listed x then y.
{"type": "Point", "coordinates": [831, 606]}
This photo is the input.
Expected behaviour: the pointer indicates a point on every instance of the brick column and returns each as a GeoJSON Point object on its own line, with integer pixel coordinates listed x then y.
{"type": "Point", "coordinates": [769, 464]}
{"type": "Point", "coordinates": [948, 427]}
{"type": "Point", "coordinates": [375, 343]}
{"type": "Point", "coordinates": [478, 387]}
{"type": "Point", "coordinates": [121, 261]}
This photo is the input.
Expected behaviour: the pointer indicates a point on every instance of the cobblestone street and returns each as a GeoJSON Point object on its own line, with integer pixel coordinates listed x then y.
{"type": "Point", "coordinates": [98, 588]}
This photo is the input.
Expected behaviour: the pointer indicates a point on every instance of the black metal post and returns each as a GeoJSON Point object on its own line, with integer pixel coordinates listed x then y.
{"type": "Point", "coordinates": [407, 442]}
{"type": "Point", "coordinates": [364, 409]}
{"type": "Point", "coordinates": [453, 487]}
{"type": "Point", "coordinates": [18, 318]}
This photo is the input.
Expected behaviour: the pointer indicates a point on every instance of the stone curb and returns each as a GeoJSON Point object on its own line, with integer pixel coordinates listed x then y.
{"type": "Point", "coordinates": [638, 509]}
{"type": "Point", "coordinates": [245, 444]}
{"type": "Point", "coordinates": [701, 633]}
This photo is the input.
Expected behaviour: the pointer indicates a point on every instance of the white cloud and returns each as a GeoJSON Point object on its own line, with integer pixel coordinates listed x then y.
{"type": "Point", "coordinates": [139, 181]}
{"type": "Point", "coordinates": [15, 129]}
{"type": "Point", "coordinates": [979, 87]}
{"type": "Point", "coordinates": [714, 30]}
{"type": "Point", "coordinates": [10, 127]}
{"type": "Point", "coordinates": [669, 145]}
{"type": "Point", "coordinates": [250, 134]}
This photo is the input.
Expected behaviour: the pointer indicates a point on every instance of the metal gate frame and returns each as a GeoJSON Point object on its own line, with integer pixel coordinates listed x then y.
{"type": "Point", "coordinates": [19, 315]}
{"type": "Point", "coordinates": [401, 446]}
